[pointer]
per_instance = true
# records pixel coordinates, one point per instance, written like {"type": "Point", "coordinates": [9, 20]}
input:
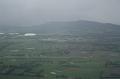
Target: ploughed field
{"type": "Point", "coordinates": [58, 56]}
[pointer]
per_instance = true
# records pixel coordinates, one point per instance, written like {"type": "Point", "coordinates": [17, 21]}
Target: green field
{"type": "Point", "coordinates": [56, 56]}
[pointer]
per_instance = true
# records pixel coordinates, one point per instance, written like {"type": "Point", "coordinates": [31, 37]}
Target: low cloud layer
{"type": "Point", "coordinates": [35, 12]}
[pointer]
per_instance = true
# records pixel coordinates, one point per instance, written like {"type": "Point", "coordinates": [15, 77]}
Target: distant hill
{"type": "Point", "coordinates": [73, 27]}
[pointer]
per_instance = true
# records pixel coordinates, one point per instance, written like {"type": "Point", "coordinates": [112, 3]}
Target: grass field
{"type": "Point", "coordinates": [55, 56]}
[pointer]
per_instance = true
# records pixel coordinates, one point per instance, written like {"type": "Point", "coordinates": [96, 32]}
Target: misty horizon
{"type": "Point", "coordinates": [36, 12]}
{"type": "Point", "coordinates": [59, 39]}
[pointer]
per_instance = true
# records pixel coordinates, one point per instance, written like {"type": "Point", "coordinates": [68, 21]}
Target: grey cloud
{"type": "Point", "coordinates": [35, 12]}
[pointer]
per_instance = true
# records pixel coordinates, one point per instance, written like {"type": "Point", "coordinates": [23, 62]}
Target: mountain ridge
{"type": "Point", "coordinates": [72, 27]}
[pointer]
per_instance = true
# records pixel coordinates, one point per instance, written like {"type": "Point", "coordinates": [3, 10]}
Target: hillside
{"type": "Point", "coordinates": [73, 27]}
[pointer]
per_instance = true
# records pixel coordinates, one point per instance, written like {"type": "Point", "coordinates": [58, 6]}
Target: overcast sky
{"type": "Point", "coordinates": [34, 12]}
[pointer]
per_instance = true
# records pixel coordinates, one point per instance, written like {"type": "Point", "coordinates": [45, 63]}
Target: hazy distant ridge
{"type": "Point", "coordinates": [73, 27]}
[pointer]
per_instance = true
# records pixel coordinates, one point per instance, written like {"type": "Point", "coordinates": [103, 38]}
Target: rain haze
{"type": "Point", "coordinates": [59, 39]}
{"type": "Point", "coordinates": [35, 12]}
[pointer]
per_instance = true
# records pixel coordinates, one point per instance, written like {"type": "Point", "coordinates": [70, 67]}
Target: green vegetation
{"type": "Point", "coordinates": [56, 56]}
